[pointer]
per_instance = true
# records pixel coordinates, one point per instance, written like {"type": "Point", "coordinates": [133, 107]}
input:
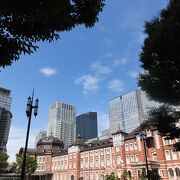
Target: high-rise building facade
{"type": "Point", "coordinates": [127, 112]}
{"type": "Point", "coordinates": [86, 125]}
{"type": "Point", "coordinates": [5, 117]}
{"type": "Point", "coordinates": [61, 122]}
{"type": "Point", "coordinates": [5, 98]}
{"type": "Point", "coordinates": [40, 135]}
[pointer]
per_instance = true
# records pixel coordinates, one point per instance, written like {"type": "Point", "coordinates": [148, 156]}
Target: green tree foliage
{"type": "Point", "coordinates": [111, 177]}
{"type": "Point", "coordinates": [126, 175]}
{"type": "Point", "coordinates": [160, 58]}
{"type": "Point", "coordinates": [3, 160]}
{"type": "Point", "coordinates": [24, 23]}
{"type": "Point", "coordinates": [31, 165]}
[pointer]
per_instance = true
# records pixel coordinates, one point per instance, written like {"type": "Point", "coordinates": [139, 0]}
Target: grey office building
{"type": "Point", "coordinates": [61, 122]}
{"type": "Point", "coordinates": [127, 112]}
{"type": "Point", "coordinates": [5, 117]}
{"type": "Point", "coordinates": [86, 125]}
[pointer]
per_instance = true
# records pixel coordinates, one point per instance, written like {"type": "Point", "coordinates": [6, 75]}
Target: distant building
{"type": "Point", "coordinates": [61, 122]}
{"type": "Point", "coordinates": [47, 147]}
{"type": "Point", "coordinates": [5, 117]}
{"type": "Point", "coordinates": [86, 125]}
{"type": "Point", "coordinates": [5, 98]}
{"type": "Point", "coordinates": [40, 135]}
{"type": "Point", "coordinates": [128, 111]}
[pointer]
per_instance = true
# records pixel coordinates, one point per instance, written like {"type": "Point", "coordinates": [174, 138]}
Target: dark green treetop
{"type": "Point", "coordinates": [31, 165]}
{"type": "Point", "coordinates": [160, 58]}
{"type": "Point", "coordinates": [23, 23]}
{"type": "Point", "coordinates": [3, 160]}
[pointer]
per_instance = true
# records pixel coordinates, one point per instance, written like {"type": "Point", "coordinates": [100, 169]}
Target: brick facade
{"type": "Point", "coordinates": [122, 152]}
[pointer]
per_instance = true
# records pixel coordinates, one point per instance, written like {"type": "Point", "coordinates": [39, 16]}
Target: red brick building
{"type": "Point", "coordinates": [123, 152]}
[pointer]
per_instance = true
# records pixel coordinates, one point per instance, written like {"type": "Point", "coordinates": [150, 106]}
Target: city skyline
{"type": "Point", "coordinates": [86, 68]}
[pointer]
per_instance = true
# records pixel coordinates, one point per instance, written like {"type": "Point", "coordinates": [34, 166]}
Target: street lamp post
{"type": "Point", "coordinates": [29, 108]}
{"type": "Point", "coordinates": [143, 137]}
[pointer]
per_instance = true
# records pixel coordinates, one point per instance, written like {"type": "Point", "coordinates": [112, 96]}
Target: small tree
{"type": "Point", "coordinates": [126, 175]}
{"type": "Point", "coordinates": [3, 160]}
{"type": "Point", "coordinates": [111, 177]}
{"type": "Point", "coordinates": [31, 165]}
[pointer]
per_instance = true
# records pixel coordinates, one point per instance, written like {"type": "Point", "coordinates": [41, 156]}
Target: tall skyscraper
{"type": "Point", "coordinates": [5, 98]}
{"type": "Point", "coordinates": [5, 117]}
{"type": "Point", "coordinates": [42, 134]}
{"type": "Point", "coordinates": [86, 125]}
{"type": "Point", "coordinates": [61, 123]}
{"type": "Point", "coordinates": [129, 110]}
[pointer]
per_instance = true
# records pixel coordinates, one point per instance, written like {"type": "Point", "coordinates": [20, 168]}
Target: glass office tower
{"type": "Point", "coordinates": [127, 112]}
{"type": "Point", "coordinates": [61, 122]}
{"type": "Point", "coordinates": [86, 125]}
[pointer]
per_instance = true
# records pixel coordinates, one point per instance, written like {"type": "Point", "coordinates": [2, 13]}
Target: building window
{"type": "Point", "coordinates": [126, 147]}
{"type": "Point", "coordinates": [137, 157]}
{"type": "Point", "coordinates": [174, 155]}
{"type": "Point", "coordinates": [81, 164]}
{"type": "Point", "coordinates": [154, 157]}
{"type": "Point", "coordinates": [74, 163]}
{"type": "Point", "coordinates": [131, 146]}
{"type": "Point", "coordinates": [132, 158]}
{"type": "Point", "coordinates": [102, 162]}
{"type": "Point", "coordinates": [165, 141]}
{"type": "Point", "coordinates": [177, 172]}
{"type": "Point", "coordinates": [127, 159]}
{"type": "Point", "coordinates": [118, 160]}
{"type": "Point", "coordinates": [171, 172]}
{"type": "Point", "coordinates": [171, 141]}
{"type": "Point", "coordinates": [167, 154]}
{"type": "Point", "coordinates": [108, 162]}
{"type": "Point", "coordinates": [135, 146]}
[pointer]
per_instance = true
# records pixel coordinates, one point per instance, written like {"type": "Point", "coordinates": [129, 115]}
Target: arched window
{"type": "Point", "coordinates": [177, 172]}
{"type": "Point", "coordinates": [171, 172]}
{"type": "Point", "coordinates": [72, 177]}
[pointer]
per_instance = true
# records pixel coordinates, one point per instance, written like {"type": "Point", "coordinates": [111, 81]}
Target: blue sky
{"type": "Point", "coordinates": [86, 68]}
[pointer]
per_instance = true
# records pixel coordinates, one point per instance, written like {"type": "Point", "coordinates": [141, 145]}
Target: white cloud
{"type": "Point", "coordinates": [100, 69]}
{"type": "Point", "coordinates": [47, 71]}
{"type": "Point", "coordinates": [119, 62]}
{"type": "Point", "coordinates": [115, 85]}
{"type": "Point", "coordinates": [133, 74]}
{"type": "Point", "coordinates": [103, 122]}
{"type": "Point", "coordinates": [90, 83]}
{"type": "Point", "coordinates": [107, 55]}
{"type": "Point", "coordinates": [17, 140]}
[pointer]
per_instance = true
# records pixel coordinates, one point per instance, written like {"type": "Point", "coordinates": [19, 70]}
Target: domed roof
{"type": "Point", "coordinates": [50, 140]}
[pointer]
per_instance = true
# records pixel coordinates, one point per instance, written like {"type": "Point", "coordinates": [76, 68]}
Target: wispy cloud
{"type": "Point", "coordinates": [47, 71]}
{"type": "Point", "coordinates": [115, 85]}
{"type": "Point", "coordinates": [120, 62]}
{"type": "Point", "coordinates": [108, 40]}
{"type": "Point", "coordinates": [107, 55]}
{"type": "Point", "coordinates": [17, 140]}
{"type": "Point", "coordinates": [99, 68]}
{"type": "Point", "coordinates": [133, 74]}
{"type": "Point", "coordinates": [90, 83]}
{"type": "Point", "coordinates": [103, 121]}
